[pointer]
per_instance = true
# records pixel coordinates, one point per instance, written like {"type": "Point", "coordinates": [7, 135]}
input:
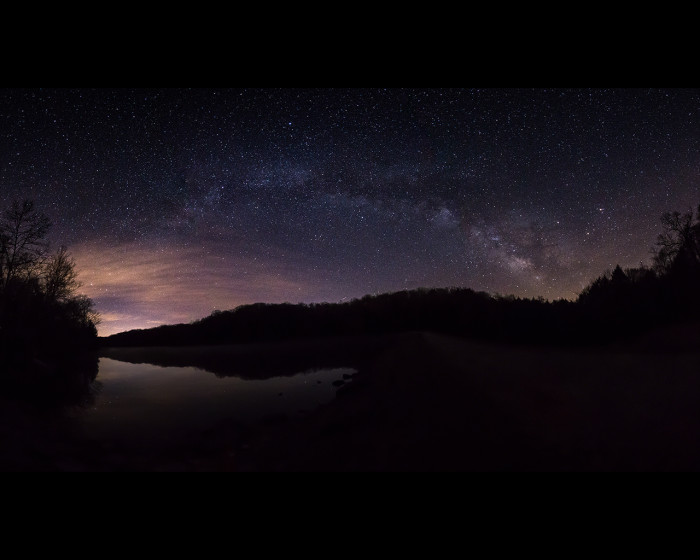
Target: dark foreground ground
{"type": "Point", "coordinates": [428, 402]}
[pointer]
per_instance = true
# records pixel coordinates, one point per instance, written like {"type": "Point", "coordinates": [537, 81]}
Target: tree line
{"type": "Point", "coordinates": [45, 323]}
{"type": "Point", "coordinates": [46, 326]}
{"type": "Point", "coordinates": [618, 304]}
{"type": "Point", "coordinates": [635, 299]}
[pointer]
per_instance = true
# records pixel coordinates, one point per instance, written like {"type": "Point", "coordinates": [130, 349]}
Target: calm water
{"type": "Point", "coordinates": [144, 403]}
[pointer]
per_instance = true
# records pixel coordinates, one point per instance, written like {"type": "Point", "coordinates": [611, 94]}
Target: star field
{"type": "Point", "coordinates": [176, 202]}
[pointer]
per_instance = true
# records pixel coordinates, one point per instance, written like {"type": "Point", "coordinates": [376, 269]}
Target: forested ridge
{"type": "Point", "coordinates": [618, 304]}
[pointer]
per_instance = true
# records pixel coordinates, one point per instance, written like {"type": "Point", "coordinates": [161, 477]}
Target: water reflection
{"type": "Point", "coordinates": [146, 403]}
{"type": "Point", "coordinates": [260, 361]}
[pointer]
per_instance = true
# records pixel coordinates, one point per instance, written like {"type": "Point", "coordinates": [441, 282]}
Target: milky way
{"type": "Point", "coordinates": [177, 202]}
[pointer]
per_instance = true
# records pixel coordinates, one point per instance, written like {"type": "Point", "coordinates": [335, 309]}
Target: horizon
{"type": "Point", "coordinates": [347, 300]}
{"type": "Point", "coordinates": [177, 202]}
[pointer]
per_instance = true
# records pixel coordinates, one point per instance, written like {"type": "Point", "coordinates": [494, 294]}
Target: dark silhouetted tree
{"type": "Point", "coordinates": [45, 325]}
{"type": "Point", "coordinates": [59, 277]}
{"type": "Point", "coordinates": [22, 241]}
{"type": "Point", "coordinates": [618, 277]}
{"type": "Point", "coordinates": [679, 242]}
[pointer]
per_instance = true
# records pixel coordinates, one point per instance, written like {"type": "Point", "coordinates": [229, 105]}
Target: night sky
{"type": "Point", "coordinates": [178, 202]}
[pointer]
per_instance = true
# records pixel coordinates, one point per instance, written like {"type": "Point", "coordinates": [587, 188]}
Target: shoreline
{"type": "Point", "coordinates": [430, 402]}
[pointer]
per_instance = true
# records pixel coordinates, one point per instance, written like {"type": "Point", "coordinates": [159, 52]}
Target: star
{"type": "Point", "coordinates": [178, 201]}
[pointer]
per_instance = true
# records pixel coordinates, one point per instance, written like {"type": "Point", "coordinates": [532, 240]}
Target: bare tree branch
{"type": "Point", "coordinates": [59, 278]}
{"type": "Point", "coordinates": [22, 240]}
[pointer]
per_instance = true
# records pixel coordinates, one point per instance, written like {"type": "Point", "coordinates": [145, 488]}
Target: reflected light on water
{"type": "Point", "coordinates": [145, 403]}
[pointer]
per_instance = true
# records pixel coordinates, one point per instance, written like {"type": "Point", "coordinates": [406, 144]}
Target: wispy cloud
{"type": "Point", "coordinates": [135, 286]}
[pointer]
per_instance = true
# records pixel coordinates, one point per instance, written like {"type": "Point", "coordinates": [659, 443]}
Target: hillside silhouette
{"type": "Point", "coordinates": [47, 328]}
{"type": "Point", "coordinates": [448, 379]}
{"type": "Point", "coordinates": [615, 306]}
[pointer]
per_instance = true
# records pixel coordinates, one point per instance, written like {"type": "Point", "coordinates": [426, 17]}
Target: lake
{"type": "Point", "coordinates": [146, 404]}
